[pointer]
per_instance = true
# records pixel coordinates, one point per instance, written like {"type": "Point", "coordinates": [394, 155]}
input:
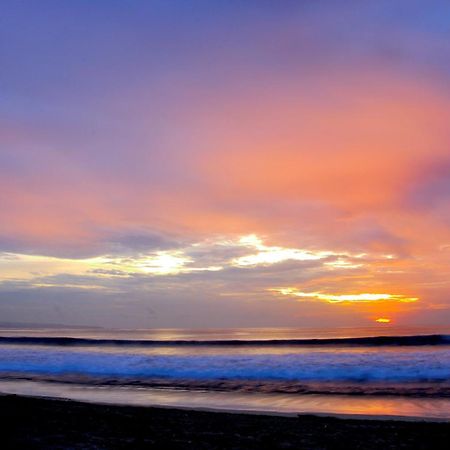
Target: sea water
{"type": "Point", "coordinates": [345, 371]}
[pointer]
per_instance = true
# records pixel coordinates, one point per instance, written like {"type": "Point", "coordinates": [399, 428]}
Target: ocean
{"type": "Point", "coordinates": [367, 371]}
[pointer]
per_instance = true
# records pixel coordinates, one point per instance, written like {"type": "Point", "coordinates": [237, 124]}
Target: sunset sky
{"type": "Point", "coordinates": [225, 163]}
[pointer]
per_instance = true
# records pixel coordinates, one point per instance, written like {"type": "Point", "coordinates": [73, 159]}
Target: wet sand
{"type": "Point", "coordinates": [35, 423]}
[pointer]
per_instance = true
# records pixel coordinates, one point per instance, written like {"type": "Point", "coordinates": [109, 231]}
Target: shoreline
{"type": "Point", "coordinates": [218, 410]}
{"type": "Point", "coordinates": [273, 404]}
{"type": "Point", "coordinates": [43, 423]}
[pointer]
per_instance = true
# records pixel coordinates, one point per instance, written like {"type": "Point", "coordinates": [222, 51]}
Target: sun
{"type": "Point", "coordinates": [383, 320]}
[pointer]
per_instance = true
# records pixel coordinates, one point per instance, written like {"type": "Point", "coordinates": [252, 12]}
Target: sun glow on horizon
{"type": "Point", "coordinates": [383, 320]}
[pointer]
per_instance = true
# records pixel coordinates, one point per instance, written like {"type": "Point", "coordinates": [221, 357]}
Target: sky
{"type": "Point", "coordinates": [225, 163]}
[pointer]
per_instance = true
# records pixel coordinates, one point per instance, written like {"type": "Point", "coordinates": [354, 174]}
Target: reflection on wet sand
{"type": "Point", "coordinates": [434, 409]}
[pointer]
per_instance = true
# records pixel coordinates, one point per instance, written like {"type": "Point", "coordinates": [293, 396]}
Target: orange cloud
{"type": "Point", "coordinates": [342, 298]}
{"type": "Point", "coordinates": [311, 166]}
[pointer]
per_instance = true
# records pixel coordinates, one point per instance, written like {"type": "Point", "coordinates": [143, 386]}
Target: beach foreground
{"type": "Point", "coordinates": [46, 423]}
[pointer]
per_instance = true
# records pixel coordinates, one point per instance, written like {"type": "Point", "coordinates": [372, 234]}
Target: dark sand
{"type": "Point", "coordinates": [31, 423]}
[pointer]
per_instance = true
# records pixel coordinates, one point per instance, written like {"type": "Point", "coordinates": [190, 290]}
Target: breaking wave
{"type": "Point", "coordinates": [325, 366]}
{"type": "Point", "coordinates": [433, 339]}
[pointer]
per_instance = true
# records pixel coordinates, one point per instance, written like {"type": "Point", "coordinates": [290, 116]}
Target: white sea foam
{"type": "Point", "coordinates": [418, 365]}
